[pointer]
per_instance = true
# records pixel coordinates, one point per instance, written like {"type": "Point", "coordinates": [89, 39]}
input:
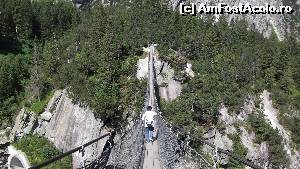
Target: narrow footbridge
{"type": "Point", "coordinates": [167, 152]}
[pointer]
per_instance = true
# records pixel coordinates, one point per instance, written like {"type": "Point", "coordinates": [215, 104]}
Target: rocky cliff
{"type": "Point", "coordinates": [67, 125]}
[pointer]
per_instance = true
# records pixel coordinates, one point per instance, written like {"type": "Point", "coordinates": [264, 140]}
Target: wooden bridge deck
{"type": "Point", "coordinates": [152, 159]}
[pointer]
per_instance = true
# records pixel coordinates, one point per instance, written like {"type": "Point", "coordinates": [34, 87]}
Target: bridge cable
{"type": "Point", "coordinates": [79, 148]}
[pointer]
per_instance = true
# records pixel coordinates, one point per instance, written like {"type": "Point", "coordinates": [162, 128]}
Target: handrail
{"type": "Point", "coordinates": [229, 153]}
{"type": "Point", "coordinates": [197, 154]}
{"type": "Point", "coordinates": [45, 163]}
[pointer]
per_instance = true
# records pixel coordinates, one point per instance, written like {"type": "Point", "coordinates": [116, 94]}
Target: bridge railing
{"type": "Point", "coordinates": [54, 159]}
{"type": "Point", "coordinates": [189, 152]}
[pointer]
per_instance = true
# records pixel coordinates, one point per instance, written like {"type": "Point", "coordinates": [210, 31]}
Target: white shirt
{"type": "Point", "coordinates": [148, 116]}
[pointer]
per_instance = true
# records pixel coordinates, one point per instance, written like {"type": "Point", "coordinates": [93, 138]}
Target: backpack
{"type": "Point", "coordinates": [149, 123]}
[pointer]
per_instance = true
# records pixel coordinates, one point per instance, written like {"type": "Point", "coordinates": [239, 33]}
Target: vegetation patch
{"type": "Point", "coordinates": [38, 106]}
{"type": "Point", "coordinates": [293, 124]}
{"type": "Point", "coordinates": [39, 149]}
{"type": "Point", "coordinates": [13, 72]}
{"type": "Point", "coordinates": [264, 132]}
{"type": "Point", "coordinates": [238, 149]}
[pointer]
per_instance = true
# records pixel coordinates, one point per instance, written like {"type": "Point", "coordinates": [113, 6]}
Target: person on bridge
{"type": "Point", "coordinates": [148, 118]}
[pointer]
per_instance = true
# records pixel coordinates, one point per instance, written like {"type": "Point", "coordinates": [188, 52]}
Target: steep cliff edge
{"type": "Point", "coordinates": [67, 125]}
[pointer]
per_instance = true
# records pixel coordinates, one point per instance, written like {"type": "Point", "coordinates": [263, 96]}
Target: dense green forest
{"type": "Point", "coordinates": [47, 45]}
{"type": "Point", "coordinates": [25, 27]}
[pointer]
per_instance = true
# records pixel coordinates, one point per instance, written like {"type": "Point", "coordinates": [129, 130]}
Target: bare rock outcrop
{"type": "Point", "coordinates": [237, 124]}
{"type": "Point", "coordinates": [68, 125]}
{"type": "Point", "coordinates": [256, 153]}
{"type": "Point", "coordinates": [24, 124]}
{"type": "Point", "coordinates": [271, 116]}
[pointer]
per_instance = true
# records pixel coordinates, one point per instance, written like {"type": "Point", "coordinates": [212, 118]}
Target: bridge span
{"type": "Point", "coordinates": [131, 151]}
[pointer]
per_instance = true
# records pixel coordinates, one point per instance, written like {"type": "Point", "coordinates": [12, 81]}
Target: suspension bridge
{"type": "Point", "coordinates": [167, 152]}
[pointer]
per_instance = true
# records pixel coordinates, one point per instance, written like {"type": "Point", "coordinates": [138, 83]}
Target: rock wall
{"type": "Point", "coordinates": [24, 124]}
{"type": "Point", "coordinates": [68, 125]}
{"type": "Point", "coordinates": [169, 88]}
{"type": "Point", "coordinates": [271, 114]}
{"type": "Point", "coordinates": [257, 153]}
{"type": "Point", "coordinates": [237, 124]}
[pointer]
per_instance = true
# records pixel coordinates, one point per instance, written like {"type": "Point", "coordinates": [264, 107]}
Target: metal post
{"type": "Point", "coordinates": [216, 156]}
{"type": "Point", "coordinates": [82, 157]}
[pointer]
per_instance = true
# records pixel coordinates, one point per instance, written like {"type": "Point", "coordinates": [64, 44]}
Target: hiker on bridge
{"type": "Point", "coordinates": [148, 118]}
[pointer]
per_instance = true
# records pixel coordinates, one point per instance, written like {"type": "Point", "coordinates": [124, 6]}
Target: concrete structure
{"type": "Point", "coordinates": [17, 159]}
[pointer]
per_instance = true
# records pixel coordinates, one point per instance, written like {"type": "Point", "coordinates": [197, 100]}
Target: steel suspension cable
{"type": "Point", "coordinates": [45, 163]}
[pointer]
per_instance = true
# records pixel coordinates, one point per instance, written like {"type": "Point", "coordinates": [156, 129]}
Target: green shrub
{"type": "Point", "coordinates": [264, 132]}
{"type": "Point", "coordinates": [293, 125]}
{"type": "Point", "coordinates": [39, 106]}
{"type": "Point", "coordinates": [39, 149]}
{"type": "Point", "coordinates": [239, 150]}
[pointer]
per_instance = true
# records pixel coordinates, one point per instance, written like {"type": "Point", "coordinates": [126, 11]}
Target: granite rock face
{"type": "Point", "coordinates": [4, 136]}
{"type": "Point", "coordinates": [271, 116]}
{"type": "Point", "coordinates": [233, 124]}
{"type": "Point", "coordinates": [257, 153]}
{"type": "Point", "coordinates": [24, 124]}
{"type": "Point", "coordinates": [169, 88]}
{"type": "Point", "coordinates": [68, 125]}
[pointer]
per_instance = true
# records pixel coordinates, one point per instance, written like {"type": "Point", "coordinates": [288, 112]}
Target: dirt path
{"type": "Point", "coordinates": [151, 160]}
